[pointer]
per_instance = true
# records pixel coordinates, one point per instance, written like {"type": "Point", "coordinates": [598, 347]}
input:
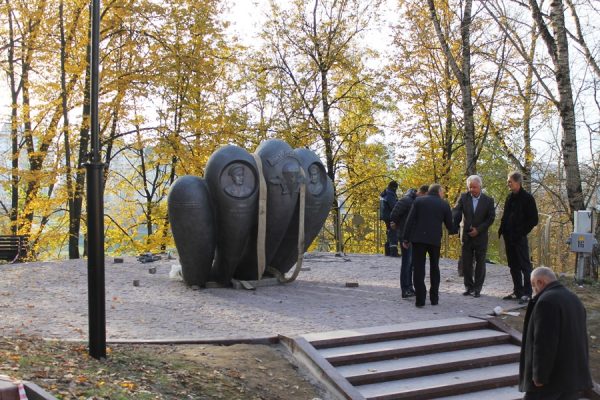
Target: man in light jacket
{"type": "Point", "coordinates": [476, 209]}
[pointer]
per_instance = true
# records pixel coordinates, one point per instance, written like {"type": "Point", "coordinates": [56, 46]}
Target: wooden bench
{"type": "Point", "coordinates": [13, 247]}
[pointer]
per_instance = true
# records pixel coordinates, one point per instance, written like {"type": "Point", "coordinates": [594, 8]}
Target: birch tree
{"type": "Point", "coordinates": [461, 68]}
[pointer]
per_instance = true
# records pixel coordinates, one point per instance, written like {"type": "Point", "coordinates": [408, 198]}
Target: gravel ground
{"type": "Point", "coordinates": [50, 299]}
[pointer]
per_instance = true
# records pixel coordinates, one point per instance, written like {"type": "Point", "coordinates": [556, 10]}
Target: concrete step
{"type": "Point", "coordinates": [376, 351]}
{"type": "Point", "coordinates": [501, 393]}
{"type": "Point", "coordinates": [407, 367]}
{"type": "Point", "coordinates": [460, 358]}
{"type": "Point", "coordinates": [446, 384]}
{"type": "Point", "coordinates": [390, 332]}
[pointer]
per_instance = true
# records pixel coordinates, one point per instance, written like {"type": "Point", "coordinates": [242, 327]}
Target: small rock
{"type": "Point", "coordinates": [118, 260]}
{"type": "Point", "coordinates": [351, 284]}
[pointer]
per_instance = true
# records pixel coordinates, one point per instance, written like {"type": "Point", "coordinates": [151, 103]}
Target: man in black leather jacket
{"type": "Point", "coordinates": [519, 218]}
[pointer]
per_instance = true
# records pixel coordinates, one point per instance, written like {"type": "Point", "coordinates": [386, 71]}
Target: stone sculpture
{"type": "Point", "coordinates": [226, 227]}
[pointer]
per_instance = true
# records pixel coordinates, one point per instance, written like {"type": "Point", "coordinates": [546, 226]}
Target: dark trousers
{"type": "Point", "coordinates": [517, 254]}
{"type": "Point", "coordinates": [406, 270]}
{"type": "Point", "coordinates": [391, 240]}
{"type": "Point", "coordinates": [419, 253]}
{"type": "Point", "coordinates": [473, 251]}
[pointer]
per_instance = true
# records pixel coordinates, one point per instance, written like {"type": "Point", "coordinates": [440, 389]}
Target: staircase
{"type": "Point", "coordinates": [458, 358]}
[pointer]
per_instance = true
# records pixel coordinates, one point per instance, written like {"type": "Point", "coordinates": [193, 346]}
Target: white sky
{"type": "Point", "coordinates": [246, 17]}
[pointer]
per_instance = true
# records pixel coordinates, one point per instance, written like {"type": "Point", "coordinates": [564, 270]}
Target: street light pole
{"type": "Point", "coordinates": [95, 206]}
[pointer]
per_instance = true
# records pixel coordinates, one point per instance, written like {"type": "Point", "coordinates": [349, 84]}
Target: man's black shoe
{"type": "Point", "coordinates": [476, 294]}
{"type": "Point", "coordinates": [467, 292]}
{"type": "Point", "coordinates": [524, 299]}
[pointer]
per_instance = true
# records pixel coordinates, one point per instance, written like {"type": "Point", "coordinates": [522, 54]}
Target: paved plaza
{"type": "Point", "coordinates": [50, 299]}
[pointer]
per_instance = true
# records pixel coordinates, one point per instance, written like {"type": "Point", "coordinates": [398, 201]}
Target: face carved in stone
{"type": "Point", "coordinates": [315, 186]}
{"type": "Point", "coordinates": [237, 188]}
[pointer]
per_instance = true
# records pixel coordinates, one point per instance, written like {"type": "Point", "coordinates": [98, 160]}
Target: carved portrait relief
{"type": "Point", "coordinates": [237, 182]}
{"type": "Point", "coordinates": [315, 181]}
{"type": "Point", "coordinates": [290, 179]}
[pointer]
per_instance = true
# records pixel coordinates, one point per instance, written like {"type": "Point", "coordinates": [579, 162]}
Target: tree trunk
{"type": "Point", "coordinates": [448, 128]}
{"type": "Point", "coordinates": [463, 76]}
{"type": "Point", "coordinates": [329, 159]}
{"type": "Point", "coordinates": [527, 110]}
{"type": "Point", "coordinates": [465, 90]}
{"type": "Point", "coordinates": [327, 137]}
{"type": "Point", "coordinates": [559, 52]}
{"type": "Point", "coordinates": [566, 108]}
{"type": "Point", "coordinates": [84, 140]}
{"type": "Point", "coordinates": [65, 116]}
{"type": "Point", "coordinates": [34, 159]}
{"type": "Point", "coordinates": [14, 204]}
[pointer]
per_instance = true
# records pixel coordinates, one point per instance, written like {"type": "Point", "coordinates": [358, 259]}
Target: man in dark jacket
{"type": "Point", "coordinates": [519, 218]}
{"type": "Point", "coordinates": [398, 220]}
{"type": "Point", "coordinates": [387, 201]}
{"type": "Point", "coordinates": [423, 229]}
{"type": "Point", "coordinates": [554, 353]}
{"type": "Point", "coordinates": [477, 212]}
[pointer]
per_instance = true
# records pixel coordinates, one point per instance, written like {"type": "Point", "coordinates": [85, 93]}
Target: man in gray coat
{"type": "Point", "coordinates": [554, 360]}
{"type": "Point", "coordinates": [476, 209]}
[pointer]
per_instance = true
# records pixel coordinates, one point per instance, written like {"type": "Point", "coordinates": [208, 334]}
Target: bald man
{"type": "Point", "coordinates": [554, 353]}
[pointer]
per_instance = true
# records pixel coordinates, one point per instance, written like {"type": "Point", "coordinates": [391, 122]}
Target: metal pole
{"type": "Point", "coordinates": [580, 265]}
{"type": "Point", "coordinates": [95, 205]}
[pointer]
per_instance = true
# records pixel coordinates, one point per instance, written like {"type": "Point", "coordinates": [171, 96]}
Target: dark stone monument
{"type": "Point", "coordinates": [233, 182]}
{"type": "Point", "coordinates": [216, 221]}
{"type": "Point", "coordinates": [319, 198]}
{"type": "Point", "coordinates": [192, 223]}
{"type": "Point", "coordinates": [282, 174]}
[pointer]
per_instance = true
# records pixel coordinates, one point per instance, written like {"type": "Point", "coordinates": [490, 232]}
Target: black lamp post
{"type": "Point", "coordinates": [95, 207]}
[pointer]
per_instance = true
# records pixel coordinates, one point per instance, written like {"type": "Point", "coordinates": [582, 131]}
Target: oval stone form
{"type": "Point", "coordinates": [318, 202]}
{"type": "Point", "coordinates": [232, 179]}
{"type": "Point", "coordinates": [193, 227]}
{"type": "Point", "coordinates": [281, 170]}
